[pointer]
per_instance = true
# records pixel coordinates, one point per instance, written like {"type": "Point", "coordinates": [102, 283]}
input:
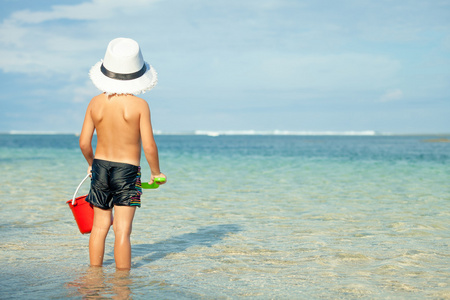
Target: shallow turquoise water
{"type": "Point", "coordinates": [261, 217]}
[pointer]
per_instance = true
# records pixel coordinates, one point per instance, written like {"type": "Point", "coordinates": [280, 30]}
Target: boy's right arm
{"type": "Point", "coordinates": [149, 144]}
{"type": "Point", "coordinates": [85, 140]}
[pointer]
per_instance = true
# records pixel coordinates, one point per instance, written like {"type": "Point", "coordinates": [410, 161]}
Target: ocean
{"type": "Point", "coordinates": [241, 216]}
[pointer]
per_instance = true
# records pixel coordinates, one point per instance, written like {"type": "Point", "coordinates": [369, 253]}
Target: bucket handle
{"type": "Point", "coordinates": [74, 195]}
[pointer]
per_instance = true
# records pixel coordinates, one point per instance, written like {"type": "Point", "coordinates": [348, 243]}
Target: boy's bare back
{"type": "Point", "coordinates": [117, 121]}
{"type": "Point", "coordinates": [121, 121]}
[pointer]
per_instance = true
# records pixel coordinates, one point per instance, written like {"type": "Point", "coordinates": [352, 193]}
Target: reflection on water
{"type": "Point", "coordinates": [96, 283]}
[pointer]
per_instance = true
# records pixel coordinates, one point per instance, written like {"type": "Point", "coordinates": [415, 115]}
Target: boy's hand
{"type": "Point", "coordinates": [152, 179]}
{"type": "Point", "coordinates": [89, 171]}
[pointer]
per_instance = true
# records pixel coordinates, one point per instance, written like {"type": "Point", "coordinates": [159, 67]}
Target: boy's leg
{"type": "Point", "coordinates": [123, 220]}
{"type": "Point", "coordinates": [100, 228]}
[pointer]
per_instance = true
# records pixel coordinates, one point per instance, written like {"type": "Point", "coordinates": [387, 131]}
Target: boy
{"type": "Point", "coordinates": [123, 125]}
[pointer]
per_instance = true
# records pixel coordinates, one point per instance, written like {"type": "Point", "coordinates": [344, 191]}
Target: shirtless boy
{"type": "Point", "coordinates": [123, 126]}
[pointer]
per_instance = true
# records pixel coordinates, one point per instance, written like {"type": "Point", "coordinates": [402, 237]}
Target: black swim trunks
{"type": "Point", "coordinates": [115, 183]}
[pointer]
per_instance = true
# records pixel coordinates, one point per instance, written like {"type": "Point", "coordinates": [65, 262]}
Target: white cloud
{"type": "Point", "coordinates": [392, 95]}
{"type": "Point", "coordinates": [95, 10]}
{"type": "Point", "coordinates": [43, 42]}
{"type": "Point", "coordinates": [330, 71]}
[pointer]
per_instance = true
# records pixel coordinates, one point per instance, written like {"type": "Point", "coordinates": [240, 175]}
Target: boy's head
{"type": "Point", "coordinates": [123, 70]}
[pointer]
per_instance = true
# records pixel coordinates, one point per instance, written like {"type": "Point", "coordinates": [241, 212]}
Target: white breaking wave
{"type": "Point", "coordinates": [285, 132]}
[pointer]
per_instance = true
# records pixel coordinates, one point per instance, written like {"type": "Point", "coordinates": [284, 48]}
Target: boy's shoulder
{"type": "Point", "coordinates": [135, 98]}
{"type": "Point", "coordinates": [135, 101]}
{"type": "Point", "coordinates": [97, 98]}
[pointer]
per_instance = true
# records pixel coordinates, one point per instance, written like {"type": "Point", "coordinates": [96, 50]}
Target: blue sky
{"type": "Point", "coordinates": [347, 65]}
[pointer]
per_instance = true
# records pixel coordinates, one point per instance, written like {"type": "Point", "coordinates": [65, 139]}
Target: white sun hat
{"type": "Point", "coordinates": [123, 70]}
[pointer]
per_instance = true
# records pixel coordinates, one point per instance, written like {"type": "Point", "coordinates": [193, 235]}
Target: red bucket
{"type": "Point", "coordinates": [83, 211]}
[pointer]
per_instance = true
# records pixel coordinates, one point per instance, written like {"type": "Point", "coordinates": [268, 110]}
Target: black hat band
{"type": "Point", "coordinates": [121, 76]}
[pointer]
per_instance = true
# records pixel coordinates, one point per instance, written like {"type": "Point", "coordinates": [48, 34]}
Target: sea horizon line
{"type": "Point", "coordinates": [215, 133]}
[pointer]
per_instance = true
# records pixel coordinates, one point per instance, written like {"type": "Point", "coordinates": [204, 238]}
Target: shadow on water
{"type": "Point", "coordinates": [204, 236]}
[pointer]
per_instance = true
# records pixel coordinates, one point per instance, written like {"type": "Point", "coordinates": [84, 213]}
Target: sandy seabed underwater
{"type": "Point", "coordinates": [257, 217]}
